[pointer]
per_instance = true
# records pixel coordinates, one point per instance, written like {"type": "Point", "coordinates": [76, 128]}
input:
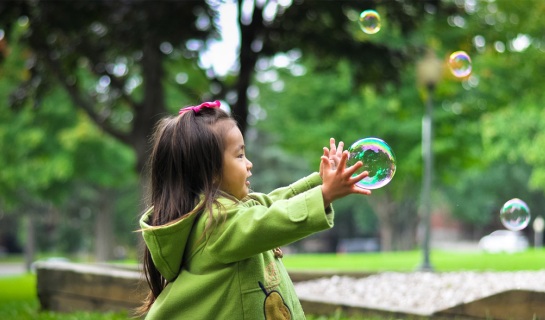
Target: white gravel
{"type": "Point", "coordinates": [419, 293]}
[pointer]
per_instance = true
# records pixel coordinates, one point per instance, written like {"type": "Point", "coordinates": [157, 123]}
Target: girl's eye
{"type": "Point", "coordinates": [241, 155]}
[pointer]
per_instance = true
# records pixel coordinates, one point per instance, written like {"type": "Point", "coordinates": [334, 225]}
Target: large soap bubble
{"type": "Point", "coordinates": [378, 159]}
{"type": "Point", "coordinates": [369, 21]}
{"type": "Point", "coordinates": [515, 214]}
{"type": "Point", "coordinates": [459, 63]}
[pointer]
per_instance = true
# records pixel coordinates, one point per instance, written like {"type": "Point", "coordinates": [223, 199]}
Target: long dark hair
{"type": "Point", "coordinates": [186, 162]}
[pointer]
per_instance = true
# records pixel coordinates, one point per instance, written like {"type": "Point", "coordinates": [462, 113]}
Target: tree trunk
{"type": "Point", "coordinates": [30, 243]}
{"type": "Point", "coordinates": [397, 223]}
{"type": "Point", "coordinates": [153, 103]}
{"type": "Point", "coordinates": [104, 237]}
{"type": "Point", "coordinates": [406, 224]}
{"type": "Point", "coordinates": [247, 59]}
{"type": "Point", "coordinates": [386, 235]}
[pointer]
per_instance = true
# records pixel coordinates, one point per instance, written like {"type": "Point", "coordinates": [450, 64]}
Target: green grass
{"type": "Point", "coordinates": [17, 288]}
{"type": "Point", "coordinates": [406, 261]}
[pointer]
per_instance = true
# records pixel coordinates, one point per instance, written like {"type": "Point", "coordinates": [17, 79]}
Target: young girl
{"type": "Point", "coordinates": [211, 245]}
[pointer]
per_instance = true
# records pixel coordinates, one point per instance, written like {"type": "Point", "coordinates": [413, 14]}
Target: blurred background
{"type": "Point", "coordinates": [82, 84]}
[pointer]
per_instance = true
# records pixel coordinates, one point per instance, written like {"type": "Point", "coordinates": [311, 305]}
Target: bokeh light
{"type": "Point", "coordinates": [378, 159]}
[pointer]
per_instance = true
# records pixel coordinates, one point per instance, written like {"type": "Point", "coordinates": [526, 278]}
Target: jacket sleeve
{"type": "Point", "coordinates": [302, 185]}
{"type": "Point", "coordinates": [251, 228]}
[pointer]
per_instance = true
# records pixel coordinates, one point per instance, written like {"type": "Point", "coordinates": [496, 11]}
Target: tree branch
{"type": "Point", "coordinates": [114, 81]}
{"type": "Point", "coordinates": [78, 99]}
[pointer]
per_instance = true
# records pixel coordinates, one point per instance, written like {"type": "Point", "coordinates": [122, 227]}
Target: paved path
{"type": "Point", "coordinates": [11, 268]}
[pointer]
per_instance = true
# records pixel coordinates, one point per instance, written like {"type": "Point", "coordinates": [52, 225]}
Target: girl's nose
{"type": "Point", "coordinates": [249, 164]}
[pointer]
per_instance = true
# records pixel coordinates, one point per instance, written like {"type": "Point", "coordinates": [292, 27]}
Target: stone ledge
{"type": "Point", "coordinates": [67, 287]}
{"type": "Point", "coordinates": [508, 305]}
{"type": "Point", "coordinates": [305, 275]}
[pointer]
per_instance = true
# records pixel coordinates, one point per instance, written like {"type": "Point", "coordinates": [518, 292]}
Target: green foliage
{"type": "Point", "coordinates": [52, 144]}
{"type": "Point", "coordinates": [310, 115]}
{"type": "Point", "coordinates": [53, 163]}
{"type": "Point", "coordinates": [516, 134]}
{"type": "Point", "coordinates": [267, 158]}
{"type": "Point", "coordinates": [483, 125]}
{"type": "Point", "coordinates": [495, 127]}
{"type": "Point", "coordinates": [488, 128]}
{"type": "Point", "coordinates": [96, 157]}
{"type": "Point", "coordinates": [32, 154]}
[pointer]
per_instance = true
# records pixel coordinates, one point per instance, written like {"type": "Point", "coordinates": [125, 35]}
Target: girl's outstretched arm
{"type": "Point", "coordinates": [337, 178]}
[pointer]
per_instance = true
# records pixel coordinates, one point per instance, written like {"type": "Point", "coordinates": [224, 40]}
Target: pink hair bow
{"type": "Point", "coordinates": [215, 104]}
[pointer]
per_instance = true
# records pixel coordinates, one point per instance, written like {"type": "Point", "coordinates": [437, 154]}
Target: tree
{"type": "Point", "coordinates": [117, 59]}
{"type": "Point", "coordinates": [121, 44]}
{"type": "Point", "coordinates": [111, 58]}
{"type": "Point", "coordinates": [467, 112]}
{"type": "Point", "coordinates": [51, 154]}
{"type": "Point", "coordinates": [339, 112]}
{"type": "Point", "coordinates": [125, 65]}
{"type": "Point", "coordinates": [353, 83]}
{"type": "Point", "coordinates": [494, 116]}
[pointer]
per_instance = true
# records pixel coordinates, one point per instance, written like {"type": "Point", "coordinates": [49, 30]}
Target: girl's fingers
{"type": "Point", "coordinates": [332, 146]}
{"type": "Point", "coordinates": [355, 167]}
{"type": "Point", "coordinates": [340, 148]}
{"type": "Point", "coordinates": [361, 190]}
{"type": "Point", "coordinates": [344, 159]}
{"type": "Point", "coordinates": [326, 152]}
{"type": "Point", "coordinates": [325, 162]}
{"type": "Point", "coordinates": [322, 167]}
{"type": "Point", "coordinates": [359, 177]}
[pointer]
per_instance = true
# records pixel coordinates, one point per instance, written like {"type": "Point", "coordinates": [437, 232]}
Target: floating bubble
{"type": "Point", "coordinates": [459, 63]}
{"type": "Point", "coordinates": [515, 214]}
{"type": "Point", "coordinates": [378, 159]}
{"type": "Point", "coordinates": [370, 21]}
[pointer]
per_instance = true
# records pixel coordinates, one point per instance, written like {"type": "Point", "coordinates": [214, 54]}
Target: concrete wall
{"type": "Point", "coordinates": [68, 287]}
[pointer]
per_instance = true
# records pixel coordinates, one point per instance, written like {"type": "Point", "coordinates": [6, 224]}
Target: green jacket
{"type": "Point", "coordinates": [233, 274]}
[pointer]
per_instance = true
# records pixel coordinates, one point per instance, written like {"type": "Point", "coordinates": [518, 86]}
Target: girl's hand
{"type": "Point", "coordinates": [338, 181]}
{"type": "Point", "coordinates": [333, 154]}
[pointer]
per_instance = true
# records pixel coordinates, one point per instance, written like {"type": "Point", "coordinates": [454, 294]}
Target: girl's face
{"type": "Point", "coordinates": [236, 168]}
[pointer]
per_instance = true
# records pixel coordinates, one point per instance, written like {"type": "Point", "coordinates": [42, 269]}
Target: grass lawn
{"type": "Point", "coordinates": [18, 299]}
{"type": "Point", "coordinates": [406, 261]}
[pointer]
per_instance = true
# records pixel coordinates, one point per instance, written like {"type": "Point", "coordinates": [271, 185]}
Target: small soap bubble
{"type": "Point", "coordinates": [459, 63]}
{"type": "Point", "coordinates": [369, 21]}
{"type": "Point", "coordinates": [515, 214]}
{"type": "Point", "coordinates": [378, 159]}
